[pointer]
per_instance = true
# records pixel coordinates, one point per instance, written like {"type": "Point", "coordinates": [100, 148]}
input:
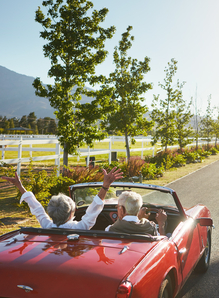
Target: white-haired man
{"type": "Point", "coordinates": [61, 208]}
{"type": "Point", "coordinates": [132, 218]}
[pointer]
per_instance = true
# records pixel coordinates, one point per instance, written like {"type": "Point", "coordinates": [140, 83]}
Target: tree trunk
{"type": "Point", "coordinates": [65, 159]}
{"type": "Point", "coordinates": [127, 146]}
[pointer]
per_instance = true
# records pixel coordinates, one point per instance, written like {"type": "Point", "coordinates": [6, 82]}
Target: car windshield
{"type": "Point", "coordinates": [84, 196]}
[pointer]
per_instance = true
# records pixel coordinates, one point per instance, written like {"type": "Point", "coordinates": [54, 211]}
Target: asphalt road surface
{"type": "Point", "coordinates": [202, 187]}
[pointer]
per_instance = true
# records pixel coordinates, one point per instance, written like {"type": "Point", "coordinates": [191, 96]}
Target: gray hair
{"type": "Point", "coordinates": [132, 202]}
{"type": "Point", "coordinates": [60, 208]}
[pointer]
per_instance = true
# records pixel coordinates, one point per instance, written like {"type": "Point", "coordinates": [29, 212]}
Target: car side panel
{"type": "Point", "coordinates": [149, 274]}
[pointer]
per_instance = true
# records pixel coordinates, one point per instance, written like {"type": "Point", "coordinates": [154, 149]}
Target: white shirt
{"type": "Point", "coordinates": [87, 221]}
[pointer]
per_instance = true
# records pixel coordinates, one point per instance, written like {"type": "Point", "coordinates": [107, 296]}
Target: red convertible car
{"type": "Point", "coordinates": [36, 262]}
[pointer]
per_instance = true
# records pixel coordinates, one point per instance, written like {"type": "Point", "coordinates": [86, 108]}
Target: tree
{"type": "Point", "coordinates": [163, 113]}
{"type": "Point", "coordinates": [216, 128]}
{"type": "Point", "coordinates": [23, 121]}
{"type": "Point", "coordinates": [41, 125]}
{"type": "Point", "coordinates": [6, 126]}
{"type": "Point", "coordinates": [11, 121]}
{"type": "Point", "coordinates": [182, 118]}
{"type": "Point", "coordinates": [52, 128]}
{"type": "Point", "coordinates": [123, 93]}
{"type": "Point", "coordinates": [207, 123]}
{"type": "Point", "coordinates": [75, 46]}
{"type": "Point", "coordinates": [31, 120]}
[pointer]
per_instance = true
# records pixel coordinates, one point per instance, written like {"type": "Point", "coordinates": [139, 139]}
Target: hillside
{"type": "Point", "coordinates": [17, 96]}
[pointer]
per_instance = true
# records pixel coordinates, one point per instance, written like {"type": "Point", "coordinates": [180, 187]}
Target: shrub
{"type": "Point", "coordinates": [150, 171]}
{"type": "Point", "coordinates": [192, 157]}
{"type": "Point", "coordinates": [39, 182]}
{"type": "Point", "coordinates": [84, 174]}
{"type": "Point", "coordinates": [213, 150]}
{"type": "Point", "coordinates": [133, 167]}
{"type": "Point", "coordinates": [62, 185]}
{"type": "Point", "coordinates": [179, 160]}
{"type": "Point", "coordinates": [203, 153]}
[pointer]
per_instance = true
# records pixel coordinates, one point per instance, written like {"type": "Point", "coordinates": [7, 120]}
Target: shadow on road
{"type": "Point", "coordinates": [202, 285]}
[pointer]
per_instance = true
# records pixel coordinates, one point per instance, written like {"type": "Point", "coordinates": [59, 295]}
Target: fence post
{"type": "Point", "coordinates": [142, 149]}
{"type": "Point", "coordinates": [110, 148]}
{"type": "Point", "coordinates": [57, 160]}
{"type": "Point", "coordinates": [3, 149]}
{"type": "Point", "coordinates": [19, 157]}
{"type": "Point", "coordinates": [88, 156]}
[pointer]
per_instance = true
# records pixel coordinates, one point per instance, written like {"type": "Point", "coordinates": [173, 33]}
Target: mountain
{"type": "Point", "coordinates": [17, 96]}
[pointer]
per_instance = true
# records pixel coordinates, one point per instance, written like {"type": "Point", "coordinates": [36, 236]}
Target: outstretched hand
{"type": "Point", "coordinates": [111, 176]}
{"type": "Point", "coordinates": [16, 181]}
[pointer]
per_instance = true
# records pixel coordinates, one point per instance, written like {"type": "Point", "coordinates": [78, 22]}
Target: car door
{"type": "Point", "coordinates": [187, 240]}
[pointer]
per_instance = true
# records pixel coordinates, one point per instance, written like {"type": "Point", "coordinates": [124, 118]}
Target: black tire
{"type": "Point", "coordinates": [203, 263]}
{"type": "Point", "coordinates": [166, 290]}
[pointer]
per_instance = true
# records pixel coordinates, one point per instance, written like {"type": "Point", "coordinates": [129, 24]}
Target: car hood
{"type": "Point", "coordinates": [53, 266]}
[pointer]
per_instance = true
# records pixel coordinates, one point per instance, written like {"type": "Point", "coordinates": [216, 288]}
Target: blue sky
{"type": "Point", "coordinates": [187, 30]}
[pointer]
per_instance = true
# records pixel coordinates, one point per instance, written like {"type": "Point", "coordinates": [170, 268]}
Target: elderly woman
{"type": "Point", "coordinates": [61, 208]}
{"type": "Point", "coordinates": [132, 218]}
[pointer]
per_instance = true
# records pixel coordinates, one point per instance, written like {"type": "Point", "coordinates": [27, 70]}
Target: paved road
{"type": "Point", "coordinates": [202, 186]}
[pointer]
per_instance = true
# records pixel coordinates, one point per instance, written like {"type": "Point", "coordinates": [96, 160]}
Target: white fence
{"type": "Point", "coordinates": [19, 141]}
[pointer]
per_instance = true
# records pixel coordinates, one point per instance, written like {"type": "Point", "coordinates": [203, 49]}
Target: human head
{"type": "Point", "coordinates": [132, 202]}
{"type": "Point", "coordinates": [60, 208]}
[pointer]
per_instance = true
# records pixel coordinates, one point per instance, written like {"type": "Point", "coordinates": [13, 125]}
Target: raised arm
{"type": "Point", "coordinates": [108, 179]}
{"type": "Point", "coordinates": [16, 181]}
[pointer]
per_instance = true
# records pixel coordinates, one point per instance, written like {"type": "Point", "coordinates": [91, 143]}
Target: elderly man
{"type": "Point", "coordinates": [61, 208]}
{"type": "Point", "coordinates": [132, 218]}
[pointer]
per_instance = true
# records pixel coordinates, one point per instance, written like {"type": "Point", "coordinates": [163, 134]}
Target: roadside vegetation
{"type": "Point", "coordinates": [163, 168]}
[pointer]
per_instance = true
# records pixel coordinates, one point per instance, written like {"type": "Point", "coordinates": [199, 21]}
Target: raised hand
{"type": "Point", "coordinates": [113, 175]}
{"type": "Point", "coordinates": [16, 181]}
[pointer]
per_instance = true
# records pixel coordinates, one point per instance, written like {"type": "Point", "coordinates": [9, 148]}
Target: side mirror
{"type": "Point", "coordinates": [205, 221]}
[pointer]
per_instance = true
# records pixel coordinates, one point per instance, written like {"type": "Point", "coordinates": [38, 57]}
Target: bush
{"type": "Point", "coordinates": [213, 150]}
{"type": "Point", "coordinates": [84, 174]}
{"type": "Point", "coordinates": [192, 156]}
{"type": "Point", "coordinates": [40, 183]}
{"type": "Point", "coordinates": [179, 160]}
{"type": "Point", "coordinates": [150, 171]}
{"type": "Point", "coordinates": [133, 167]}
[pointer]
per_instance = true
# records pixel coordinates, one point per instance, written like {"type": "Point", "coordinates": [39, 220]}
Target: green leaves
{"type": "Point", "coordinates": [75, 46]}
{"type": "Point", "coordinates": [171, 115]}
{"type": "Point", "coordinates": [123, 93]}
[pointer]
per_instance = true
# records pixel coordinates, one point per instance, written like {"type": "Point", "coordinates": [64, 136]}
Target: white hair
{"type": "Point", "coordinates": [132, 202]}
{"type": "Point", "coordinates": [60, 208]}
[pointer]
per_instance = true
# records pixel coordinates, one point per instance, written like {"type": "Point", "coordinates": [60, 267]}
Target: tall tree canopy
{"type": "Point", "coordinates": [207, 123]}
{"type": "Point", "coordinates": [163, 112]}
{"type": "Point", "coordinates": [124, 89]}
{"type": "Point", "coordinates": [184, 131]}
{"type": "Point", "coordinates": [75, 47]}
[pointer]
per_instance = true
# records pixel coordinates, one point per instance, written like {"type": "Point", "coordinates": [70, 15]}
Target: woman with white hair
{"type": "Point", "coordinates": [132, 219]}
{"type": "Point", "coordinates": [61, 208]}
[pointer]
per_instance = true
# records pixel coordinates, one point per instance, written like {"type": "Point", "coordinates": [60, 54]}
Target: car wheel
{"type": "Point", "coordinates": [166, 289]}
{"type": "Point", "coordinates": [203, 263]}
